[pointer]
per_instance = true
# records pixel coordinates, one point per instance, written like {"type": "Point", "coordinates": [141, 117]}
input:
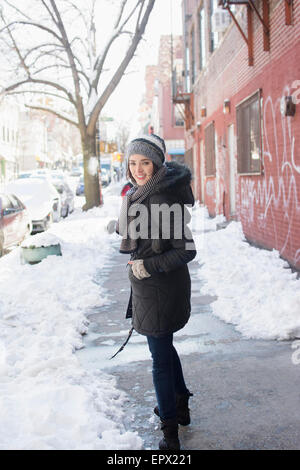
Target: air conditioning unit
{"type": "Point", "coordinates": [220, 20]}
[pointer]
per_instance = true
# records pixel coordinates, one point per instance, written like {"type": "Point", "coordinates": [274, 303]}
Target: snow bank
{"type": "Point", "coordinates": [47, 401]}
{"type": "Point", "coordinates": [255, 291]}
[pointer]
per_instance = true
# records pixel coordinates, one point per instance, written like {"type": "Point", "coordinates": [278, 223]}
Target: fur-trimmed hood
{"type": "Point", "coordinates": [177, 181]}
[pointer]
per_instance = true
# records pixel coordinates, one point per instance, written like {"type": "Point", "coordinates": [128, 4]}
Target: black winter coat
{"type": "Point", "coordinates": [161, 304]}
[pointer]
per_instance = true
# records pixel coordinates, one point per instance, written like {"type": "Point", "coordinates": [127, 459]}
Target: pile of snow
{"type": "Point", "coordinates": [47, 400]}
{"type": "Point", "coordinates": [41, 239]}
{"type": "Point", "coordinates": [256, 290]}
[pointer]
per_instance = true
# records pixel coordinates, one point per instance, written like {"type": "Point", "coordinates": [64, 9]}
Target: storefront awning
{"type": "Point", "coordinates": [174, 151]}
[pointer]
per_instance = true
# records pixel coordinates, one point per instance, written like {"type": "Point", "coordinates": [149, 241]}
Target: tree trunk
{"type": "Point", "coordinates": [92, 180]}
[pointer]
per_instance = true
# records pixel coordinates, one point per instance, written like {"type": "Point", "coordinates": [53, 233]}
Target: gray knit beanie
{"type": "Point", "coordinates": [152, 146]}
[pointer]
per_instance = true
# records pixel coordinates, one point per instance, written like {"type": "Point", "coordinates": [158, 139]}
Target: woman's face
{"type": "Point", "coordinates": [141, 168]}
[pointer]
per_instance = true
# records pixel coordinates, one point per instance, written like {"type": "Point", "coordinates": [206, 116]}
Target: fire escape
{"type": "Point", "coordinates": [264, 19]}
{"type": "Point", "coordinates": [183, 99]}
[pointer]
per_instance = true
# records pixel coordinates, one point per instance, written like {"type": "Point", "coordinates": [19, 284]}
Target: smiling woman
{"type": "Point", "coordinates": [159, 304]}
{"type": "Point", "coordinates": [141, 169]}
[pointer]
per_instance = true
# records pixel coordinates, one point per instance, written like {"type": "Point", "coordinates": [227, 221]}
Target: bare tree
{"type": "Point", "coordinates": [62, 61]}
{"type": "Point", "coordinates": [123, 133]}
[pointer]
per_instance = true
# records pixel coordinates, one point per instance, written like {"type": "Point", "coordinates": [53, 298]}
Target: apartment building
{"type": "Point", "coordinates": [241, 98]}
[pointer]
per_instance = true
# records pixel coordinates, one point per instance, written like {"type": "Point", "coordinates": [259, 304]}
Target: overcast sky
{"type": "Point", "coordinates": [123, 104]}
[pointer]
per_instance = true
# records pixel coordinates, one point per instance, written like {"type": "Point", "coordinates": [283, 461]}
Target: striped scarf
{"type": "Point", "coordinates": [135, 196]}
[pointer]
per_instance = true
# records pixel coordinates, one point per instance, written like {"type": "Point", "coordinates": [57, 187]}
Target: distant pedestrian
{"type": "Point", "coordinates": [160, 282]}
{"type": "Point", "coordinates": [127, 186]}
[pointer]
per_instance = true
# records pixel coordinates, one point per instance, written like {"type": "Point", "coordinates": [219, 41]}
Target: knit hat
{"type": "Point", "coordinates": [152, 146]}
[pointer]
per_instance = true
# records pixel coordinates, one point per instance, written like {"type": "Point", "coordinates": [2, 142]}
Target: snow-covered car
{"type": "Point", "coordinates": [31, 173]}
{"type": "Point", "coordinates": [41, 199]}
{"type": "Point", "coordinates": [15, 222]}
{"type": "Point", "coordinates": [66, 196]}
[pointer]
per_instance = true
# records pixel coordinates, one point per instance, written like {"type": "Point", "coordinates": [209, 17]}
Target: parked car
{"type": "Point", "coordinates": [80, 186]}
{"type": "Point", "coordinates": [105, 177]}
{"type": "Point", "coordinates": [24, 174]}
{"type": "Point", "coordinates": [41, 199]}
{"type": "Point", "coordinates": [15, 222]}
{"type": "Point", "coordinates": [30, 173]}
{"type": "Point", "coordinates": [107, 167]}
{"type": "Point", "coordinates": [66, 196]}
{"type": "Point", "coordinates": [76, 171]}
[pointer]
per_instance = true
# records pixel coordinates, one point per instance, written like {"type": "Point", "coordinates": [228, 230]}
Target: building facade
{"type": "Point", "coordinates": [9, 139]}
{"type": "Point", "coordinates": [157, 111]}
{"type": "Point", "coordinates": [242, 115]}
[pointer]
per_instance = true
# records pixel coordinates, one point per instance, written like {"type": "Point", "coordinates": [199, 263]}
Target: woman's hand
{"type": "Point", "coordinates": [138, 269]}
{"type": "Point", "coordinates": [111, 226]}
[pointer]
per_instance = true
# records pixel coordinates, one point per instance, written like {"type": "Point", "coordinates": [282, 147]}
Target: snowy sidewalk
{"type": "Point", "coordinates": [55, 395]}
{"type": "Point", "coordinates": [246, 391]}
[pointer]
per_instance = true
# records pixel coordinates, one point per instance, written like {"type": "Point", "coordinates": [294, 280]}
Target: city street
{"type": "Point", "coordinates": [152, 148]}
{"type": "Point", "coordinates": [240, 359]}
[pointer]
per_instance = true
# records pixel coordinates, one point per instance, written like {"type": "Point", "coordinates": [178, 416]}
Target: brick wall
{"type": "Point", "coordinates": [268, 205]}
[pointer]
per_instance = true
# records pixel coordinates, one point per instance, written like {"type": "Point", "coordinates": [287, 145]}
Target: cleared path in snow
{"type": "Point", "coordinates": [246, 392]}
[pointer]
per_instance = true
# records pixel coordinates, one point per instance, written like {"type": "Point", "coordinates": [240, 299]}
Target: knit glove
{"type": "Point", "coordinates": [139, 270]}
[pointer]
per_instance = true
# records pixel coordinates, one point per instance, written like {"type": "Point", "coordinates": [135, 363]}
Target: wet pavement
{"type": "Point", "coordinates": [246, 392]}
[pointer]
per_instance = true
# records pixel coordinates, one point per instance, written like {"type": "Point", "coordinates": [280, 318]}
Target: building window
{"type": "Point", "coordinates": [193, 57]}
{"type": "Point", "coordinates": [178, 116]}
{"type": "Point", "coordinates": [210, 154]}
{"type": "Point", "coordinates": [187, 63]}
{"type": "Point", "coordinates": [201, 36]}
{"type": "Point", "coordinates": [248, 117]}
{"type": "Point", "coordinates": [188, 160]}
{"type": "Point", "coordinates": [213, 35]}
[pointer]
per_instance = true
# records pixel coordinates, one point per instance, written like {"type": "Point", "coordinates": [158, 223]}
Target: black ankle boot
{"type": "Point", "coordinates": [182, 408]}
{"type": "Point", "coordinates": [170, 440]}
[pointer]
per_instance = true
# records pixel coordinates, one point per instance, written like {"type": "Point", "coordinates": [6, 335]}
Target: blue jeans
{"type": "Point", "coordinates": [167, 374]}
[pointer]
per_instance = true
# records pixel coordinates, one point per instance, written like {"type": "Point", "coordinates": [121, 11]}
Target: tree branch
{"type": "Point", "coordinates": [22, 60]}
{"type": "Point", "coordinates": [120, 70]}
{"type": "Point", "coordinates": [42, 82]}
{"type": "Point", "coordinates": [39, 47]}
{"type": "Point", "coordinates": [120, 14]}
{"type": "Point", "coordinates": [52, 111]}
{"type": "Point", "coordinates": [101, 59]}
{"type": "Point", "coordinates": [70, 55]}
{"type": "Point", "coordinates": [139, 15]}
{"type": "Point", "coordinates": [15, 8]}
{"type": "Point", "coordinates": [49, 11]}
{"type": "Point", "coordinates": [38, 93]}
{"type": "Point", "coordinates": [37, 25]}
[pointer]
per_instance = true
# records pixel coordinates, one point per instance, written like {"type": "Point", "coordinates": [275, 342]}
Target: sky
{"type": "Point", "coordinates": [123, 104]}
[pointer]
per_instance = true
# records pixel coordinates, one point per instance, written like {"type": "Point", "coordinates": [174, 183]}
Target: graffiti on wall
{"type": "Point", "coordinates": [273, 199]}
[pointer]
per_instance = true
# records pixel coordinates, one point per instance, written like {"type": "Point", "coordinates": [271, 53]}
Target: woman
{"type": "Point", "coordinates": [160, 248]}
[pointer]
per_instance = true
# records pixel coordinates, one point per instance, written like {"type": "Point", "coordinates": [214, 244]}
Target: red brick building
{"type": "Point", "coordinates": [242, 115]}
{"type": "Point", "coordinates": [158, 109]}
